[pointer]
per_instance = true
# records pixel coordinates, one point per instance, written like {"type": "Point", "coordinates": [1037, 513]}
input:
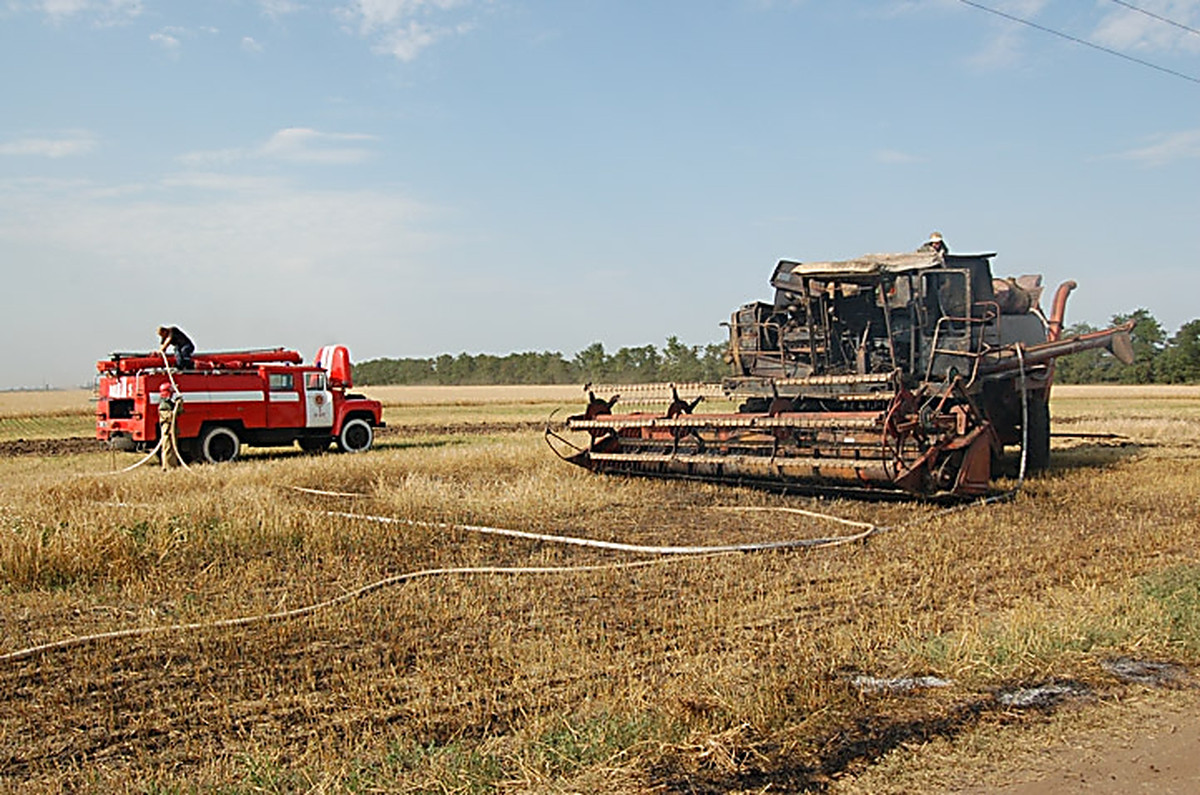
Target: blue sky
{"type": "Point", "coordinates": [416, 177]}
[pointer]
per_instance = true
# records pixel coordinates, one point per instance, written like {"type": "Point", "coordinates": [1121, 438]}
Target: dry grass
{"type": "Point", "coordinates": [729, 673]}
{"type": "Point", "coordinates": [53, 414]}
{"type": "Point", "coordinates": [15, 404]}
{"type": "Point", "coordinates": [472, 395]}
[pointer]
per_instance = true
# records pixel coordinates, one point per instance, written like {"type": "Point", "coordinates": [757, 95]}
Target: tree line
{"type": "Point", "coordinates": [676, 362]}
{"type": "Point", "coordinates": [1160, 358]}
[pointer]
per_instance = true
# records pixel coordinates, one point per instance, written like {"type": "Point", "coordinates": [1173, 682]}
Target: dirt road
{"type": "Point", "coordinates": [1155, 749]}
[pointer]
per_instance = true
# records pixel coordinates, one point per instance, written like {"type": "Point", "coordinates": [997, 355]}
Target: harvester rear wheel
{"type": "Point", "coordinates": [1037, 457]}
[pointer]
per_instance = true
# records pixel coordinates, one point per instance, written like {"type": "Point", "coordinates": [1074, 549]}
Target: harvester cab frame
{"type": "Point", "coordinates": [923, 314]}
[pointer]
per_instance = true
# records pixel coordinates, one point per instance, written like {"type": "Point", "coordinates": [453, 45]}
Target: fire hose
{"type": "Point", "coordinates": [163, 438]}
{"type": "Point", "coordinates": [664, 553]}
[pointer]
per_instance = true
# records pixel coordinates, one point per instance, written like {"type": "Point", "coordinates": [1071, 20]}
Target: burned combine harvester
{"type": "Point", "coordinates": [900, 372]}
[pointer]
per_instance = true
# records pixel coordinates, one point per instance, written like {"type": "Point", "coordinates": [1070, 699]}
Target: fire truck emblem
{"type": "Point", "coordinates": [319, 400]}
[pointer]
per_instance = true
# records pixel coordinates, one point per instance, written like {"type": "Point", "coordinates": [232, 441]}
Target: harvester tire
{"type": "Point", "coordinates": [1037, 458]}
{"type": "Point", "coordinates": [219, 444]}
{"type": "Point", "coordinates": [356, 436]}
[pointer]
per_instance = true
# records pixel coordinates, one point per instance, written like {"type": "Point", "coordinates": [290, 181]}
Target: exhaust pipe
{"type": "Point", "coordinates": [1115, 340]}
{"type": "Point", "coordinates": [1058, 311]}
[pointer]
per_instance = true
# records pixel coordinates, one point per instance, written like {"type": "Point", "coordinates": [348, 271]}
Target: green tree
{"type": "Point", "coordinates": [1086, 367]}
{"type": "Point", "coordinates": [394, 371]}
{"type": "Point", "coordinates": [1149, 340]}
{"type": "Point", "coordinates": [680, 363]}
{"type": "Point", "coordinates": [715, 362]}
{"type": "Point", "coordinates": [633, 365]}
{"type": "Point", "coordinates": [592, 364]}
{"type": "Point", "coordinates": [1180, 362]}
{"type": "Point", "coordinates": [677, 362]}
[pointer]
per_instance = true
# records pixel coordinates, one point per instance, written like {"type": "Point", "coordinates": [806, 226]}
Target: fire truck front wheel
{"type": "Point", "coordinates": [356, 436]}
{"type": "Point", "coordinates": [219, 444]}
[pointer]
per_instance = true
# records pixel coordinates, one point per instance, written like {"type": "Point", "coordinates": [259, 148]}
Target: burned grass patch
{"type": "Point", "coordinates": [747, 763]}
{"type": "Point", "coordinates": [1151, 673]}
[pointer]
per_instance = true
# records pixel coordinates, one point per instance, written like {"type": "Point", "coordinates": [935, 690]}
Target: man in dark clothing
{"type": "Point", "coordinates": [184, 348]}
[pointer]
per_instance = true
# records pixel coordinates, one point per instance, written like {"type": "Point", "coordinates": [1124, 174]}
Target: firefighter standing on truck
{"type": "Point", "coordinates": [168, 408]}
{"type": "Point", "coordinates": [184, 348]}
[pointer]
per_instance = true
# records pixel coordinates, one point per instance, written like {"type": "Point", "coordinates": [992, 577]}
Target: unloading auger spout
{"type": "Point", "coordinates": [901, 373]}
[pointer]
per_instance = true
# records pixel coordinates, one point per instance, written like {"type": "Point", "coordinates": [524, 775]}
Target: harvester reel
{"type": "Point", "coordinates": [678, 405]}
{"type": "Point", "coordinates": [903, 429]}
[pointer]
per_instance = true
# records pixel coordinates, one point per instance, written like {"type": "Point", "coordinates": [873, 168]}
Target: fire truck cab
{"type": "Point", "coordinates": [261, 398]}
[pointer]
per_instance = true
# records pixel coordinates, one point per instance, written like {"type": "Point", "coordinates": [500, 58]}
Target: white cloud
{"type": "Point", "coordinates": [171, 37]}
{"type": "Point", "coordinates": [895, 157]}
{"type": "Point", "coordinates": [1023, 8]}
{"type": "Point", "coordinates": [310, 146]}
{"type": "Point", "coordinates": [58, 9]}
{"type": "Point", "coordinates": [279, 8]}
{"type": "Point", "coordinates": [1128, 30]}
{"type": "Point", "coordinates": [293, 144]}
{"type": "Point", "coordinates": [225, 183]}
{"type": "Point", "coordinates": [213, 157]}
{"type": "Point", "coordinates": [1003, 47]}
{"type": "Point", "coordinates": [71, 145]}
{"type": "Point", "coordinates": [407, 42]}
{"type": "Point", "coordinates": [255, 263]}
{"type": "Point", "coordinates": [166, 40]}
{"type": "Point", "coordinates": [102, 12]}
{"type": "Point", "coordinates": [1006, 46]}
{"type": "Point", "coordinates": [898, 8]}
{"type": "Point", "coordinates": [384, 14]}
{"type": "Point", "coordinates": [250, 45]}
{"type": "Point", "coordinates": [1168, 148]}
{"type": "Point", "coordinates": [403, 28]}
{"type": "Point", "coordinates": [270, 226]}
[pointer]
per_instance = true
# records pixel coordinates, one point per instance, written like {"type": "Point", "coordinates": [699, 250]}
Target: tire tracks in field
{"type": "Point", "coordinates": [76, 445]}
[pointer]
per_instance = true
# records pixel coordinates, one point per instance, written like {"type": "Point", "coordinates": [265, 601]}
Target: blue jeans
{"type": "Point", "coordinates": [183, 355]}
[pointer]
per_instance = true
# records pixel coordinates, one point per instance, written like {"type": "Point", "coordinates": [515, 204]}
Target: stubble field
{"type": "Point", "coordinates": [908, 662]}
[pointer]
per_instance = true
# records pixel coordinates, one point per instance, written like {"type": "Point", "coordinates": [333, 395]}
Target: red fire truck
{"type": "Point", "coordinates": [262, 398]}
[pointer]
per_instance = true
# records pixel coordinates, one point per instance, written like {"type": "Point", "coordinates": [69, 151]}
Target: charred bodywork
{"type": "Point", "coordinates": [906, 372]}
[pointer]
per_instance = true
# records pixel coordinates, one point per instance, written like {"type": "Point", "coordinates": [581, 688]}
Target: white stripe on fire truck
{"type": "Point", "coordinates": [284, 397]}
{"type": "Point", "coordinates": [216, 397]}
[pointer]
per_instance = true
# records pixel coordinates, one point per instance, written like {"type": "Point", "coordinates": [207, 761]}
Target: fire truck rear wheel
{"type": "Point", "coordinates": [219, 444]}
{"type": "Point", "coordinates": [356, 436]}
